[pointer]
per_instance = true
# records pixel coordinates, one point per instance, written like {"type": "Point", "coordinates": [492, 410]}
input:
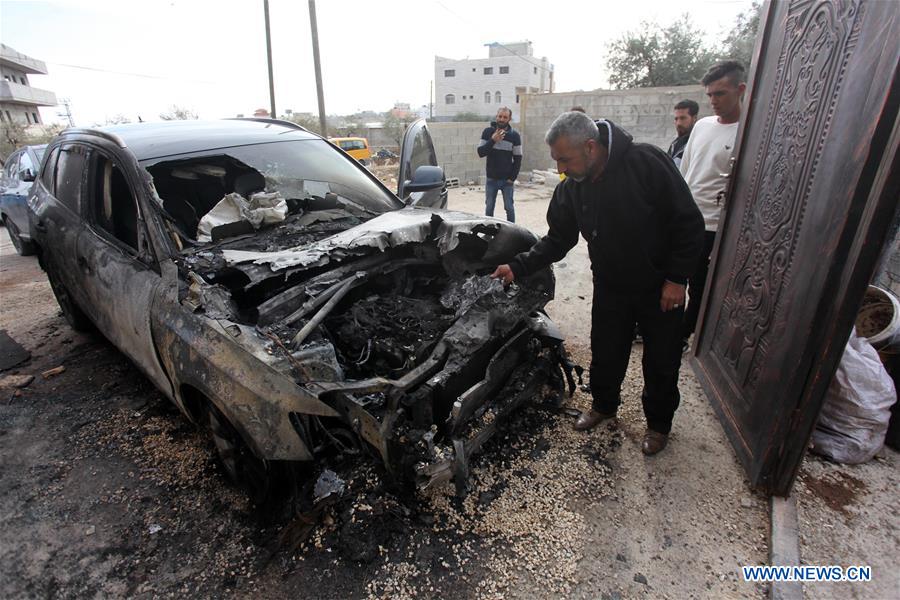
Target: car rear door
{"type": "Point", "coordinates": [417, 150]}
{"type": "Point", "coordinates": [116, 264]}
{"type": "Point", "coordinates": [56, 204]}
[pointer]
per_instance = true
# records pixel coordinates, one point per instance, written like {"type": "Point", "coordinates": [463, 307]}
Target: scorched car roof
{"type": "Point", "coordinates": [155, 140]}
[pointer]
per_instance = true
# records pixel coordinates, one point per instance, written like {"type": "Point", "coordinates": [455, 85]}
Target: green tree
{"type": "Point", "coordinates": [310, 122]}
{"type": "Point", "coordinates": [14, 135]}
{"type": "Point", "coordinates": [395, 126]}
{"type": "Point", "coordinates": [178, 113]}
{"type": "Point", "coordinates": [741, 39]}
{"type": "Point", "coordinates": [659, 56]}
{"type": "Point", "coordinates": [469, 117]}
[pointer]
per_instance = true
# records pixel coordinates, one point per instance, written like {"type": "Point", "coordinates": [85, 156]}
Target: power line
{"type": "Point", "coordinates": [144, 75]}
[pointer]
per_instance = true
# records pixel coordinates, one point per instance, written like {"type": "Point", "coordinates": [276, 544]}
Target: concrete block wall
{"type": "Point", "coordinates": [646, 113]}
{"type": "Point", "coordinates": [455, 144]}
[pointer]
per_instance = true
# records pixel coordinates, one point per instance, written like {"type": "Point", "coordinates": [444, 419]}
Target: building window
{"type": "Point", "coordinates": [489, 70]}
{"type": "Point", "coordinates": [487, 97]}
{"type": "Point", "coordinates": [535, 70]}
{"type": "Point", "coordinates": [9, 117]}
{"type": "Point", "coordinates": [449, 99]}
{"type": "Point", "coordinates": [23, 81]}
{"type": "Point", "coordinates": [504, 70]}
{"type": "Point", "coordinates": [497, 97]}
{"type": "Point", "coordinates": [517, 98]}
{"type": "Point", "coordinates": [449, 72]}
{"type": "Point", "coordinates": [27, 119]}
{"type": "Point", "coordinates": [37, 121]}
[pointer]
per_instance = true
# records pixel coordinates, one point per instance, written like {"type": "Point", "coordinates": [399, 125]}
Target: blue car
{"type": "Point", "coordinates": [18, 175]}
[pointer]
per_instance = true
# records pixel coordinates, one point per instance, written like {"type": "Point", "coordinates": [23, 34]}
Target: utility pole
{"type": "Point", "coordinates": [272, 112]}
{"type": "Point", "coordinates": [315, 43]}
{"type": "Point", "coordinates": [67, 104]}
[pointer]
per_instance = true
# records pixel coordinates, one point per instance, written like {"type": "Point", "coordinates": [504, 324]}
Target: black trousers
{"type": "Point", "coordinates": [695, 286]}
{"type": "Point", "coordinates": [612, 325]}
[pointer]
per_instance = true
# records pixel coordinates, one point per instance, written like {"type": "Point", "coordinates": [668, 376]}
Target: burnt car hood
{"type": "Point", "coordinates": [410, 225]}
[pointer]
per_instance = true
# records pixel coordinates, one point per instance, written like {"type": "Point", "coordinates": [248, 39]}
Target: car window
{"type": "Point", "coordinates": [70, 175]}
{"type": "Point", "coordinates": [25, 164]}
{"type": "Point", "coordinates": [422, 152]}
{"type": "Point", "coordinates": [111, 203]}
{"type": "Point", "coordinates": [49, 170]}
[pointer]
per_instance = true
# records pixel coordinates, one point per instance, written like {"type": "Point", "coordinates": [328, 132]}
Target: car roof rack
{"type": "Point", "coordinates": [273, 122]}
{"type": "Point", "coordinates": [95, 132]}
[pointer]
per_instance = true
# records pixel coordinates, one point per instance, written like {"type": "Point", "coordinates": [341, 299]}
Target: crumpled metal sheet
{"type": "Point", "coordinates": [389, 230]}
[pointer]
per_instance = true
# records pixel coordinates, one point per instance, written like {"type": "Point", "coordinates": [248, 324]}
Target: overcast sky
{"type": "Point", "coordinates": [138, 57]}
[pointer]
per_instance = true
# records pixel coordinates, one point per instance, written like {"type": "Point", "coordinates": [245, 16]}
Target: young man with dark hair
{"type": "Point", "coordinates": [644, 236]}
{"type": "Point", "coordinates": [502, 146]}
{"type": "Point", "coordinates": [705, 165]}
{"type": "Point", "coordinates": [685, 118]}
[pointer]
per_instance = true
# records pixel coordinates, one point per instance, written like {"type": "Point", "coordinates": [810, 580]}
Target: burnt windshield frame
{"type": "Point", "coordinates": [316, 160]}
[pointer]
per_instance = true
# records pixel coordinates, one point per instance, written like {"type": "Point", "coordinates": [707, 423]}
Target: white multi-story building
{"type": "Point", "coordinates": [19, 101]}
{"type": "Point", "coordinates": [482, 85]}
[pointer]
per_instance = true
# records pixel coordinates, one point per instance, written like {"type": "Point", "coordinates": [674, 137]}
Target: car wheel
{"type": "Point", "coordinates": [22, 247]}
{"type": "Point", "coordinates": [254, 475]}
{"type": "Point", "coordinates": [75, 317]}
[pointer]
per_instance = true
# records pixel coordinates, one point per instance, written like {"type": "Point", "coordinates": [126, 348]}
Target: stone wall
{"type": "Point", "coordinates": [455, 144]}
{"type": "Point", "coordinates": [646, 113]}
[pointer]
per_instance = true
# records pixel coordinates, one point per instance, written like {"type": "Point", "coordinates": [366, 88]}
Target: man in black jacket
{"type": "Point", "coordinates": [502, 146]}
{"type": "Point", "coordinates": [644, 235]}
{"type": "Point", "coordinates": [685, 116]}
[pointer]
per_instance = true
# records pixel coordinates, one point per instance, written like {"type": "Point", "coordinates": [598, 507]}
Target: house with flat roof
{"type": "Point", "coordinates": [19, 101]}
{"type": "Point", "coordinates": [482, 85]}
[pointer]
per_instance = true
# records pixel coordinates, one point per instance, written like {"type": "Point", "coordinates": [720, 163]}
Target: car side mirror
{"type": "Point", "coordinates": [425, 178]}
{"type": "Point", "coordinates": [27, 176]}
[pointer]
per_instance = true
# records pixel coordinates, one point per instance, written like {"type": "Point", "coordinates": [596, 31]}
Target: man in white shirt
{"type": "Point", "coordinates": [705, 165]}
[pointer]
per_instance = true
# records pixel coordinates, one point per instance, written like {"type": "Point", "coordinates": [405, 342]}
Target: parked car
{"type": "Point", "coordinates": [324, 315]}
{"type": "Point", "coordinates": [19, 173]}
{"type": "Point", "coordinates": [357, 147]}
{"type": "Point", "coordinates": [385, 154]}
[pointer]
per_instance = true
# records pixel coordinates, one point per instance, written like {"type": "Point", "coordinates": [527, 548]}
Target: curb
{"type": "Point", "coordinates": [784, 545]}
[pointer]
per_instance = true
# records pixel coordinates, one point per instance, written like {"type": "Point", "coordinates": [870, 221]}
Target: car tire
{"type": "Point", "coordinates": [22, 247]}
{"type": "Point", "coordinates": [258, 478]}
{"type": "Point", "coordinates": [75, 317]}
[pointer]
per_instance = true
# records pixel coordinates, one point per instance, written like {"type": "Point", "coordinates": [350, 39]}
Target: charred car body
{"type": "Point", "coordinates": [318, 312]}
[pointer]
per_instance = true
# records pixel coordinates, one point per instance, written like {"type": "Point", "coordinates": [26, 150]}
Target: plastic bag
{"type": "Point", "coordinates": [262, 209]}
{"type": "Point", "coordinates": [857, 407]}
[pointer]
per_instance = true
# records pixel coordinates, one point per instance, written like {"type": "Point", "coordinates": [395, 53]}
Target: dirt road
{"type": "Point", "coordinates": [108, 491]}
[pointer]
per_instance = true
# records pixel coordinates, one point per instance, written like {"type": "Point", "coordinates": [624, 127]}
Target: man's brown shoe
{"type": "Point", "coordinates": [654, 442]}
{"type": "Point", "coordinates": [590, 419]}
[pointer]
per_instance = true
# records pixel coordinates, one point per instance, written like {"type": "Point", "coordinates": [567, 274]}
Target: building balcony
{"type": "Point", "coordinates": [22, 62]}
{"type": "Point", "coordinates": [24, 94]}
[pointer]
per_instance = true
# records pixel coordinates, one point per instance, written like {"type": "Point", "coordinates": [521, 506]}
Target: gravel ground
{"type": "Point", "coordinates": [108, 491]}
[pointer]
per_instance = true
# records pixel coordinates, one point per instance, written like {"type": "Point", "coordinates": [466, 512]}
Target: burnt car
{"type": "Point", "coordinates": [280, 295]}
{"type": "Point", "coordinates": [18, 175]}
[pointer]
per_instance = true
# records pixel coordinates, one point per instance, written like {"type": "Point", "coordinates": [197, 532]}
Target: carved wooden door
{"type": "Point", "coordinates": [813, 191]}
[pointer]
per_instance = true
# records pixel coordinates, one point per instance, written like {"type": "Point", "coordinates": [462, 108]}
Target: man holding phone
{"type": "Point", "coordinates": [502, 146]}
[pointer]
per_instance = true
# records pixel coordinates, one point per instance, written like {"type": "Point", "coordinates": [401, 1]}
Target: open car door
{"type": "Point", "coordinates": [813, 192]}
{"type": "Point", "coordinates": [417, 151]}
